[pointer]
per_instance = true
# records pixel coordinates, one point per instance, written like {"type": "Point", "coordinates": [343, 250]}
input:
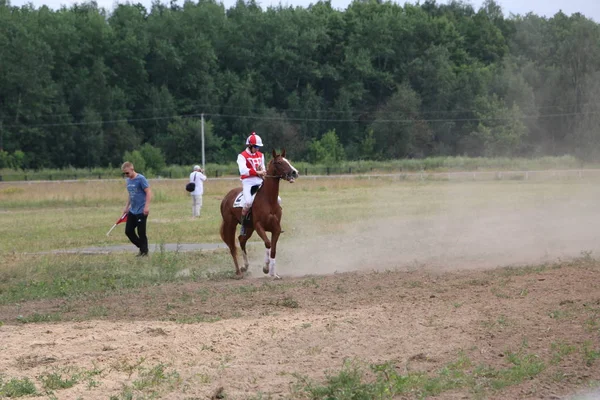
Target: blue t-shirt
{"type": "Point", "coordinates": [137, 196]}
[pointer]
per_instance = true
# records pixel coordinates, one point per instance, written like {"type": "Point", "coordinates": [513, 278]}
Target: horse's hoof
{"type": "Point", "coordinates": [244, 269]}
{"type": "Point", "coordinates": [266, 269]}
{"type": "Point", "coordinates": [239, 276]}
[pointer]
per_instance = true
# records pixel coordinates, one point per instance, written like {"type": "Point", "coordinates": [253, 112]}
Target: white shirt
{"type": "Point", "coordinates": [198, 178]}
{"type": "Point", "coordinates": [241, 162]}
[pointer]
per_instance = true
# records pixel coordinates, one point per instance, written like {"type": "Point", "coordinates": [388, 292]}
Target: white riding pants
{"type": "Point", "coordinates": [246, 188]}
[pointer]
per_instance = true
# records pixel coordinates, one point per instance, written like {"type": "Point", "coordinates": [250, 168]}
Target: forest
{"type": "Point", "coordinates": [84, 87]}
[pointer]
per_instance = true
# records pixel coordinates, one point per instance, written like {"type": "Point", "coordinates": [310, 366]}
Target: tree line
{"type": "Point", "coordinates": [84, 86]}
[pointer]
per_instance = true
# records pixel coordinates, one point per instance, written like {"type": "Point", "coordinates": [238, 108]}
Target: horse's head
{"type": "Point", "coordinates": [280, 167]}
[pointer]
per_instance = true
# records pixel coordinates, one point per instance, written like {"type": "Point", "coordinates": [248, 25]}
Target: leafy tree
{"type": "Point", "coordinates": [182, 143]}
{"type": "Point", "coordinates": [137, 159]}
{"type": "Point", "coordinates": [5, 159]}
{"type": "Point", "coordinates": [328, 150]}
{"type": "Point", "coordinates": [15, 160]}
{"type": "Point", "coordinates": [277, 132]}
{"type": "Point", "coordinates": [586, 136]}
{"type": "Point", "coordinates": [83, 85]}
{"type": "Point", "coordinates": [399, 128]}
{"type": "Point", "coordinates": [153, 157]}
{"type": "Point", "coordinates": [368, 146]}
{"type": "Point", "coordinates": [213, 145]}
{"type": "Point", "coordinates": [89, 140]}
{"type": "Point", "coordinates": [501, 131]}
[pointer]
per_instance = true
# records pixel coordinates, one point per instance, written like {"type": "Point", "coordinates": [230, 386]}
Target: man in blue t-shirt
{"type": "Point", "coordinates": [138, 207]}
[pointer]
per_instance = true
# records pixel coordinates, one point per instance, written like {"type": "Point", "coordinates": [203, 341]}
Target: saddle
{"type": "Point", "coordinates": [239, 203]}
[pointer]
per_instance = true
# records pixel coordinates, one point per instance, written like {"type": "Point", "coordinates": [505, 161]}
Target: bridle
{"type": "Point", "coordinates": [288, 177]}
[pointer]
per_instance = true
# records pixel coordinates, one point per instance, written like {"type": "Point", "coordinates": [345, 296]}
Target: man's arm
{"type": "Point", "coordinates": [126, 209]}
{"type": "Point", "coordinates": [244, 170]}
{"type": "Point", "coordinates": [148, 199]}
{"type": "Point", "coordinates": [263, 170]}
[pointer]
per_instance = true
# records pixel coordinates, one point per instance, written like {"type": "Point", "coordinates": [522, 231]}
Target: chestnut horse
{"type": "Point", "coordinates": [265, 215]}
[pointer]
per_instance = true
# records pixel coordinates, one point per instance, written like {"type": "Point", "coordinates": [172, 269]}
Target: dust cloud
{"type": "Point", "coordinates": [518, 225]}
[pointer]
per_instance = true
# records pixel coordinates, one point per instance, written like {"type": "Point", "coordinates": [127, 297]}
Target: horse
{"type": "Point", "coordinates": [265, 215]}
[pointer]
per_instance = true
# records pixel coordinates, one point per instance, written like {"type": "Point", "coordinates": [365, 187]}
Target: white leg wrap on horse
{"type": "Point", "coordinates": [267, 256]}
{"type": "Point", "coordinates": [272, 268]}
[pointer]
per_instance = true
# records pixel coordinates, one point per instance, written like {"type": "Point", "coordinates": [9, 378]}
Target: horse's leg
{"type": "Point", "coordinates": [267, 257]}
{"type": "Point", "coordinates": [269, 267]}
{"type": "Point", "coordinates": [267, 249]}
{"type": "Point", "coordinates": [228, 235]}
{"type": "Point", "coordinates": [243, 239]}
{"type": "Point", "coordinates": [274, 239]}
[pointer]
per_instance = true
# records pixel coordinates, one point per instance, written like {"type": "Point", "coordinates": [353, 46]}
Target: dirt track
{"type": "Point", "coordinates": [251, 336]}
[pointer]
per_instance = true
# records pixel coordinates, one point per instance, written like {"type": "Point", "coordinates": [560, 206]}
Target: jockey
{"type": "Point", "coordinates": [251, 163]}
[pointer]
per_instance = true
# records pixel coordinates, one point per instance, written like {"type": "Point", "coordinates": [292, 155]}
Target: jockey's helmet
{"type": "Point", "coordinates": [254, 140]}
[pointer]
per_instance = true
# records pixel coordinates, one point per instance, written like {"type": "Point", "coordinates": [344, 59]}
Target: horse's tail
{"type": "Point", "coordinates": [228, 235]}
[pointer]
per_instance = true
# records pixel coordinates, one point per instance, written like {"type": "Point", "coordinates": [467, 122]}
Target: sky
{"type": "Point", "coordinates": [589, 8]}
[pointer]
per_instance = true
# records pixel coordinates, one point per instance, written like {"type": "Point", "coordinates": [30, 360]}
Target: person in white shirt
{"type": "Point", "coordinates": [198, 177]}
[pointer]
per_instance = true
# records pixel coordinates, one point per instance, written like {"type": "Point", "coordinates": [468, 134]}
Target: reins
{"type": "Point", "coordinates": [277, 176]}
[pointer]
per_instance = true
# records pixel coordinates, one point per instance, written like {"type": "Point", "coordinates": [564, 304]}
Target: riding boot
{"type": "Point", "coordinates": [242, 229]}
{"type": "Point", "coordinates": [243, 221]}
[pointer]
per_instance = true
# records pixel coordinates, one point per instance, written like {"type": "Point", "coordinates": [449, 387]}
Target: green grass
{"type": "Point", "coordinates": [590, 353]}
{"type": "Point", "coordinates": [48, 216]}
{"type": "Point", "coordinates": [97, 312]}
{"type": "Point", "coordinates": [50, 381]}
{"type": "Point", "coordinates": [78, 214]}
{"type": "Point", "coordinates": [16, 387]}
{"type": "Point", "coordinates": [156, 376]}
{"type": "Point", "coordinates": [66, 276]}
{"type": "Point", "coordinates": [57, 380]}
{"type": "Point", "coordinates": [383, 381]}
{"type": "Point", "coordinates": [559, 314]}
{"type": "Point", "coordinates": [560, 350]}
{"type": "Point", "coordinates": [288, 302]}
{"type": "Point", "coordinates": [344, 167]}
{"type": "Point", "coordinates": [148, 382]}
{"type": "Point", "coordinates": [35, 317]}
{"type": "Point", "coordinates": [523, 270]}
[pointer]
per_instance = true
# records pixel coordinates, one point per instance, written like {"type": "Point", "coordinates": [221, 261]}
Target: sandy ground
{"type": "Point", "coordinates": [264, 332]}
